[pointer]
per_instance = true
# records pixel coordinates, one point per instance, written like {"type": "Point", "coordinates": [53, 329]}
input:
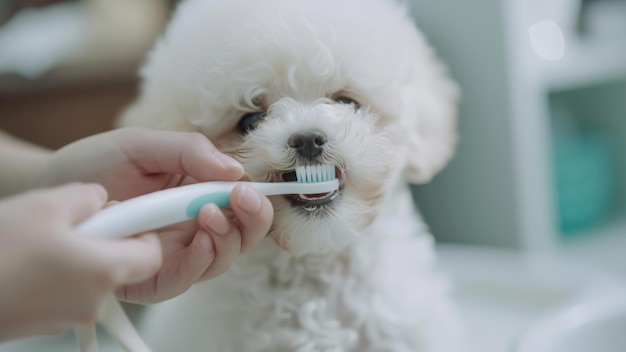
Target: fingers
{"type": "Point", "coordinates": [254, 213]}
{"type": "Point", "coordinates": [194, 255]}
{"type": "Point", "coordinates": [190, 154]}
{"type": "Point", "coordinates": [125, 261]}
{"type": "Point", "coordinates": [76, 201]}
{"type": "Point", "coordinates": [178, 273]}
{"type": "Point", "coordinates": [226, 238]}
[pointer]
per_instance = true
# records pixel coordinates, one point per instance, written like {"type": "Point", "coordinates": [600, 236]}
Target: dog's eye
{"type": "Point", "coordinates": [250, 121]}
{"type": "Point", "coordinates": [348, 101]}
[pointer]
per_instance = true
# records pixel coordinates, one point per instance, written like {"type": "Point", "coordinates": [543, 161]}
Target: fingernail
{"type": "Point", "coordinates": [249, 199]}
{"type": "Point", "coordinates": [218, 223]}
{"type": "Point", "coordinates": [228, 161]}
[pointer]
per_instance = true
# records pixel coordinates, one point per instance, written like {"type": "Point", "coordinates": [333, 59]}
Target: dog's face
{"type": "Point", "coordinates": [280, 84]}
{"type": "Point", "coordinates": [334, 131]}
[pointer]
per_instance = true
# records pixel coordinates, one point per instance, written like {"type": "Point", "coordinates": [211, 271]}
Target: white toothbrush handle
{"type": "Point", "coordinates": [171, 206]}
{"type": "Point", "coordinates": [152, 211]}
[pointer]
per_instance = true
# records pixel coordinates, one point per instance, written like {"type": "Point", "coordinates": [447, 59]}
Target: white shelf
{"type": "Point", "coordinates": [586, 62]}
{"type": "Point", "coordinates": [505, 126]}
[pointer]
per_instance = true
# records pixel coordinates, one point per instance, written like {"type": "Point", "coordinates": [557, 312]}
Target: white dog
{"type": "Point", "coordinates": [284, 83]}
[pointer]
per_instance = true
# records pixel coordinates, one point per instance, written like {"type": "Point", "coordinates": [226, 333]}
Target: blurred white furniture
{"type": "Point", "coordinates": [596, 325]}
{"type": "Point", "coordinates": [523, 302]}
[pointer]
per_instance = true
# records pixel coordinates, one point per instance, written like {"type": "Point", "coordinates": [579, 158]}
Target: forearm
{"type": "Point", "coordinates": [19, 163]}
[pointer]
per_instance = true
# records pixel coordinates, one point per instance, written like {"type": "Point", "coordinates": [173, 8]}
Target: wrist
{"type": "Point", "coordinates": [21, 163]}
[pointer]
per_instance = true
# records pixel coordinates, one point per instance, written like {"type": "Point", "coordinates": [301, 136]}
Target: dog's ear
{"type": "Point", "coordinates": [432, 125]}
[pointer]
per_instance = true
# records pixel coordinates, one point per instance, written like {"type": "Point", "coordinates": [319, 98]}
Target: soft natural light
{"type": "Point", "coordinates": [547, 40]}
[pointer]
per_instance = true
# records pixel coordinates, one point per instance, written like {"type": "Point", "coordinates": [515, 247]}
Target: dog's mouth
{"type": "Point", "coordinates": [315, 200]}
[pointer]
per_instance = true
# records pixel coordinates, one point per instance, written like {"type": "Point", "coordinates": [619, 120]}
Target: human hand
{"type": "Point", "coordinates": [53, 278]}
{"type": "Point", "coordinates": [131, 162]}
{"type": "Point", "coordinates": [193, 254]}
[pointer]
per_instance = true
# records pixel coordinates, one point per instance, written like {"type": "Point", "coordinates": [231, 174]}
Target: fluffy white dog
{"type": "Point", "coordinates": [280, 84]}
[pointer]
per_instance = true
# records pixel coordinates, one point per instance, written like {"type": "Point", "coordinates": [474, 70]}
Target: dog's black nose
{"type": "Point", "coordinates": [308, 144]}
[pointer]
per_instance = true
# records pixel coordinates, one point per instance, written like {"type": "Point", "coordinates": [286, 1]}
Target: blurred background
{"type": "Point", "coordinates": [67, 68]}
{"type": "Point", "coordinates": [530, 215]}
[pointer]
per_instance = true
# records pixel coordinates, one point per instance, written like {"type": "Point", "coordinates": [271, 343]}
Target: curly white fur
{"type": "Point", "coordinates": [354, 275]}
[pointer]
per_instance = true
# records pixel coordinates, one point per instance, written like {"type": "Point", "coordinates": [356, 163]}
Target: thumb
{"type": "Point", "coordinates": [133, 259]}
{"type": "Point", "coordinates": [78, 200]}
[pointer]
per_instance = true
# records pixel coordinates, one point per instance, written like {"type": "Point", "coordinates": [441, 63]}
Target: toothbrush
{"type": "Point", "coordinates": [174, 205]}
{"type": "Point", "coordinates": [162, 208]}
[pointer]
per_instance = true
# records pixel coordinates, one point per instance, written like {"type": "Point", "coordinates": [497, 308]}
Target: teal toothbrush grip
{"type": "Point", "coordinates": [221, 199]}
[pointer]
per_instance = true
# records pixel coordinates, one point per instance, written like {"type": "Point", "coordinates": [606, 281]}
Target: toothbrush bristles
{"type": "Point", "coordinates": [315, 173]}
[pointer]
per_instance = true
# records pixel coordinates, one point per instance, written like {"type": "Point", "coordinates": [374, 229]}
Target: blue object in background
{"type": "Point", "coordinates": [585, 180]}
